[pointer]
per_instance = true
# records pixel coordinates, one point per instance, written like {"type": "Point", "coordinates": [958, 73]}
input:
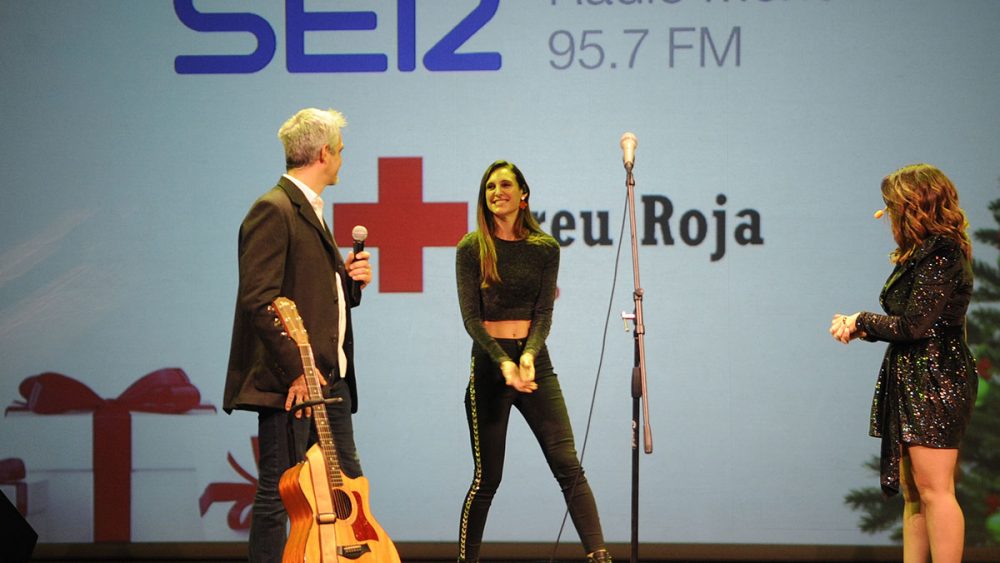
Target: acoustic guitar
{"type": "Point", "coordinates": [330, 517]}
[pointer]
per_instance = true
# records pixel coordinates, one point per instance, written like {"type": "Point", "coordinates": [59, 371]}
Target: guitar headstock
{"type": "Point", "coordinates": [288, 314]}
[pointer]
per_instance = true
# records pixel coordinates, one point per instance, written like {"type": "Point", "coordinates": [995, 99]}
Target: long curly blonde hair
{"type": "Point", "coordinates": [923, 202]}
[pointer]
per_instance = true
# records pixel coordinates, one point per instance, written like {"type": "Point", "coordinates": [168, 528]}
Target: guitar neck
{"type": "Point", "coordinates": [323, 431]}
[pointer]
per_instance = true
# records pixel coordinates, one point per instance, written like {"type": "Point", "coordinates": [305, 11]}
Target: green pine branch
{"type": "Point", "coordinates": [877, 514]}
{"type": "Point", "coordinates": [987, 284]}
{"type": "Point", "coordinates": [984, 331]}
{"type": "Point", "coordinates": [988, 236]}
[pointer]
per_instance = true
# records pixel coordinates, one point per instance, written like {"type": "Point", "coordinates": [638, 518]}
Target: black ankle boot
{"type": "Point", "coordinates": [599, 556]}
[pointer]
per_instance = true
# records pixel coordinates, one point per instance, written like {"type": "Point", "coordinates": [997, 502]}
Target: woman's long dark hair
{"type": "Point", "coordinates": [525, 225]}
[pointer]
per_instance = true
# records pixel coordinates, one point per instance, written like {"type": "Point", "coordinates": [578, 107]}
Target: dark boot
{"type": "Point", "coordinates": [599, 556]}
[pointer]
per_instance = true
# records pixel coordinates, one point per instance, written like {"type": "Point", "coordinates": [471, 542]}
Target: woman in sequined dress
{"type": "Point", "coordinates": [926, 386]}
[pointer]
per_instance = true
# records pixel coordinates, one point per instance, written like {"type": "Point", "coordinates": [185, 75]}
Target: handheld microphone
{"type": "Point", "coordinates": [628, 144]}
{"type": "Point", "coordinates": [359, 233]}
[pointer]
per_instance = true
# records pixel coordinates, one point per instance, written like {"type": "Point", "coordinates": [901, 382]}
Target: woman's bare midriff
{"type": "Point", "coordinates": [508, 329]}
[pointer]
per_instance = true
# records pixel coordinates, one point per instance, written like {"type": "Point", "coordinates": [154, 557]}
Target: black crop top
{"type": "Point", "coordinates": [527, 290]}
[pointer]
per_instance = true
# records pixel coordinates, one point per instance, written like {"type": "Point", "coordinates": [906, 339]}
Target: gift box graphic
{"type": "Point", "coordinates": [165, 391]}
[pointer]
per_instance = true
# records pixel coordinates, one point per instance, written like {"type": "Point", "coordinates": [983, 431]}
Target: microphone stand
{"type": "Point", "coordinates": [638, 369]}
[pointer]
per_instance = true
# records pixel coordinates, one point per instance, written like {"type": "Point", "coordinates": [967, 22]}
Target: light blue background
{"type": "Point", "coordinates": [126, 183]}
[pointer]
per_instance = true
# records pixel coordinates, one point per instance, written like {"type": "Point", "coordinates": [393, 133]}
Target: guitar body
{"type": "Point", "coordinates": [300, 513]}
{"type": "Point", "coordinates": [330, 525]}
{"type": "Point", "coordinates": [330, 515]}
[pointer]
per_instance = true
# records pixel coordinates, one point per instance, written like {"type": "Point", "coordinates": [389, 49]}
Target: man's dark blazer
{"type": "Point", "coordinates": [284, 251]}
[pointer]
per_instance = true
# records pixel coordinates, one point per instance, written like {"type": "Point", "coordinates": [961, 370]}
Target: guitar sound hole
{"type": "Point", "coordinates": [342, 504]}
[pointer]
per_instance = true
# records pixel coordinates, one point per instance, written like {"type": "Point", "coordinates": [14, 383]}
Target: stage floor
{"type": "Point", "coordinates": [414, 552]}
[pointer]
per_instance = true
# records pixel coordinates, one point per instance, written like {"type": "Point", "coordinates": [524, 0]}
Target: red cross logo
{"type": "Point", "coordinates": [402, 224]}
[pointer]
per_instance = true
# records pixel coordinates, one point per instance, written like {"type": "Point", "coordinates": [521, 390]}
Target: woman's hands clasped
{"type": "Point", "coordinates": [520, 377]}
{"type": "Point", "coordinates": [844, 328]}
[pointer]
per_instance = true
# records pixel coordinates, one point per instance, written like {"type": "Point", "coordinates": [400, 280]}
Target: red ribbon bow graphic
{"type": "Point", "coordinates": [240, 494]}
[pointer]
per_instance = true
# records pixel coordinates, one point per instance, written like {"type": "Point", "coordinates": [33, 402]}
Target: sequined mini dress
{"type": "Point", "coordinates": [926, 386]}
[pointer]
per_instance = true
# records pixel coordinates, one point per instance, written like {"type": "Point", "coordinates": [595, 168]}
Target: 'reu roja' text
{"type": "Point", "coordinates": [661, 224]}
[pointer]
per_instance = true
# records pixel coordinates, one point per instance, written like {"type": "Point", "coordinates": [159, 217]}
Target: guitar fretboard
{"type": "Point", "coordinates": [326, 442]}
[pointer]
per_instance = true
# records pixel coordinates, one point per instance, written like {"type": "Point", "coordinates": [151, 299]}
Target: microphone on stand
{"type": "Point", "coordinates": [640, 396]}
{"type": "Point", "coordinates": [628, 144]}
{"type": "Point", "coordinates": [359, 233]}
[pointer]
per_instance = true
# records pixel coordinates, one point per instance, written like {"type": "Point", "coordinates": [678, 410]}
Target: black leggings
{"type": "Point", "coordinates": [487, 406]}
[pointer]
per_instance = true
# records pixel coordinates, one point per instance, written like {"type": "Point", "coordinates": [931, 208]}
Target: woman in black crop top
{"type": "Point", "coordinates": [506, 271]}
{"type": "Point", "coordinates": [927, 385]}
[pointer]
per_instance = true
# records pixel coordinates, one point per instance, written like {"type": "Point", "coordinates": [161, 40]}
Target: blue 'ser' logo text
{"type": "Point", "coordinates": [443, 56]}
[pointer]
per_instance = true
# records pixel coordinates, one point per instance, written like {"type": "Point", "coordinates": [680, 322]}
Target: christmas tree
{"type": "Point", "coordinates": [978, 479]}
